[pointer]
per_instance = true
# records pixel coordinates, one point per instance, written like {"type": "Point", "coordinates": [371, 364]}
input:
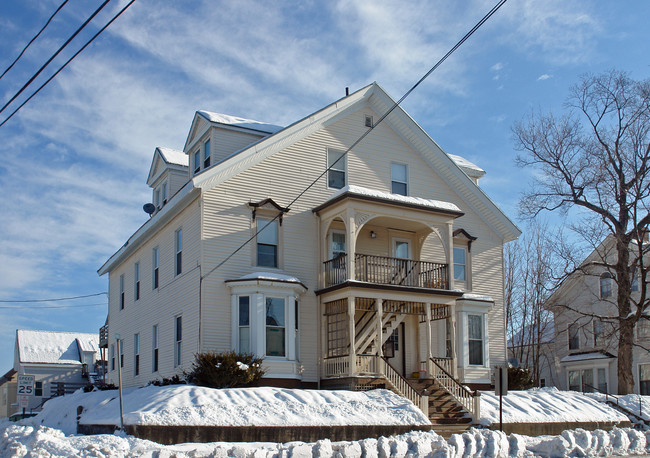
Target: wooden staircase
{"type": "Point", "coordinates": [447, 416]}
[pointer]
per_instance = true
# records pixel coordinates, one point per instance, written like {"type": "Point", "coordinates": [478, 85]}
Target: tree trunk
{"type": "Point", "coordinates": [624, 366]}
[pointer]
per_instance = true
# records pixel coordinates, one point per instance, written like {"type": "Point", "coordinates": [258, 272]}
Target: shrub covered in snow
{"type": "Point", "coordinates": [519, 378]}
{"type": "Point", "coordinates": [225, 370]}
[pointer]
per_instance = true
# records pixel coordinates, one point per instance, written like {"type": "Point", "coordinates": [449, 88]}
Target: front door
{"type": "Point", "coordinates": [403, 265]}
{"type": "Point", "coordinates": [394, 349]}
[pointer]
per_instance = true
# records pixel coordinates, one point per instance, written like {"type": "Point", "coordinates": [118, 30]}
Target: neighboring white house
{"type": "Point", "coordinates": [533, 352]}
{"type": "Point", "coordinates": [60, 361]}
{"type": "Point", "coordinates": [586, 341]}
{"type": "Point", "coordinates": [395, 252]}
{"type": "Point", "coordinates": [8, 404]}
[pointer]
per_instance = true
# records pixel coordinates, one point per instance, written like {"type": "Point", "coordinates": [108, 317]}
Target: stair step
{"type": "Point", "coordinates": [450, 421]}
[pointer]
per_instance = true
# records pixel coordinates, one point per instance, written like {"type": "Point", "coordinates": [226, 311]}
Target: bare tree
{"type": "Point", "coordinates": [596, 159]}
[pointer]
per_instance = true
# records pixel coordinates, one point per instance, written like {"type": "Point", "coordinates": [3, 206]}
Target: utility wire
{"type": "Point", "coordinates": [26, 301]}
{"type": "Point", "coordinates": [55, 54]}
{"type": "Point", "coordinates": [32, 40]}
{"type": "Point", "coordinates": [68, 61]}
{"type": "Point", "coordinates": [365, 134]}
{"type": "Point", "coordinates": [39, 307]}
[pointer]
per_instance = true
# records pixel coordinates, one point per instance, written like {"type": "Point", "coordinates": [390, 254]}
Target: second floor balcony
{"type": "Point", "coordinates": [384, 270]}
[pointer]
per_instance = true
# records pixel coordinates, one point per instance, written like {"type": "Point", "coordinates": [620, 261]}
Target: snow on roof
{"type": "Point", "coordinates": [477, 297]}
{"type": "Point", "coordinates": [410, 200]}
{"type": "Point", "coordinates": [173, 156]}
{"type": "Point", "coordinates": [54, 347]}
{"type": "Point", "coordinates": [270, 276]}
{"type": "Point", "coordinates": [585, 357]}
{"type": "Point", "coordinates": [240, 122]}
{"type": "Point", "coordinates": [470, 168]}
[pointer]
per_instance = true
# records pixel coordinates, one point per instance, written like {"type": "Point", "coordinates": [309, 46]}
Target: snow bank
{"type": "Point", "coordinates": [263, 406]}
{"type": "Point", "coordinates": [545, 405]}
{"type": "Point", "coordinates": [628, 401]}
{"type": "Point", "coordinates": [20, 441]}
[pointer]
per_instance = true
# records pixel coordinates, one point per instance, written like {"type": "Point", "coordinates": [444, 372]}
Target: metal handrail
{"type": "Point", "coordinates": [465, 397]}
{"type": "Point", "coordinates": [598, 390]}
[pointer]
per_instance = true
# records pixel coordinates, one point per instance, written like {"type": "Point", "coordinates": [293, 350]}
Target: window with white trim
{"type": "Point", "coordinates": [121, 353]}
{"type": "Point", "coordinates": [460, 264]}
{"type": "Point", "coordinates": [122, 292]}
{"type": "Point", "coordinates": [156, 199]}
{"type": "Point", "coordinates": [197, 161]}
{"type": "Point", "coordinates": [164, 193]}
{"type": "Point", "coordinates": [599, 332]}
{"type": "Point", "coordinates": [178, 237]}
{"type": "Point", "coordinates": [634, 280]}
{"type": "Point", "coordinates": [336, 174]}
{"type": "Point", "coordinates": [154, 346]}
{"type": "Point", "coordinates": [267, 242]}
{"type": "Point", "coordinates": [644, 379]}
{"type": "Point", "coordinates": [574, 336]}
{"type": "Point", "coordinates": [206, 154]}
{"type": "Point", "coordinates": [155, 253]}
{"type": "Point", "coordinates": [178, 340]}
{"type": "Point", "coordinates": [136, 281]}
{"type": "Point", "coordinates": [112, 357]}
{"type": "Point", "coordinates": [399, 179]}
{"type": "Point", "coordinates": [475, 336]}
{"type": "Point", "coordinates": [275, 327]}
{"type": "Point", "coordinates": [244, 324]}
{"type": "Point", "coordinates": [605, 285]}
{"type": "Point", "coordinates": [643, 328]}
{"type": "Point", "coordinates": [136, 354]}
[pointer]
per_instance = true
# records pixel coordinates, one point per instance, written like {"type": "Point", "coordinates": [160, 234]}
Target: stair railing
{"type": "Point", "coordinates": [471, 401]}
{"type": "Point", "coordinates": [403, 387]}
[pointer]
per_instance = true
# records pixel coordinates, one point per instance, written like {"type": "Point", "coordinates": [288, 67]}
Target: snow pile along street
{"type": "Point", "coordinates": [545, 405]}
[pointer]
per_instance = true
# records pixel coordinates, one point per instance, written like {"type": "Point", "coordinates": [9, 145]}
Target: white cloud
{"type": "Point", "coordinates": [545, 76]}
{"type": "Point", "coordinates": [496, 67]}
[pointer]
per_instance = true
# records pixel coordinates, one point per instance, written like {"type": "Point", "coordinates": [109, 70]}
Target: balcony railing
{"type": "Point", "coordinates": [384, 270]}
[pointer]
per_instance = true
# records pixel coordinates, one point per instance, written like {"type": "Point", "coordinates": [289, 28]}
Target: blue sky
{"type": "Point", "coordinates": [74, 161]}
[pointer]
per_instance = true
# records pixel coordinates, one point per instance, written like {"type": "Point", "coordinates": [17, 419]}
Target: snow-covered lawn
{"type": "Point", "coordinates": [546, 405]}
{"type": "Point", "coordinates": [629, 402]}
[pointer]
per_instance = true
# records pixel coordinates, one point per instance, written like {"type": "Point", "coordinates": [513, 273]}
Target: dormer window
{"type": "Point", "coordinates": [164, 193]}
{"type": "Point", "coordinates": [197, 162]}
{"type": "Point", "coordinates": [156, 198]}
{"type": "Point", "coordinates": [206, 155]}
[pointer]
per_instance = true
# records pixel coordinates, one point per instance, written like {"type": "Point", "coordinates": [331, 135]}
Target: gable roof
{"type": "Point", "coordinates": [49, 347]}
{"type": "Point", "coordinates": [171, 158]}
{"type": "Point", "coordinates": [374, 96]}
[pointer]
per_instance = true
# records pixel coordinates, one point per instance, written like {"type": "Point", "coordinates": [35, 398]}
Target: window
{"type": "Point", "coordinates": [275, 331]}
{"type": "Point", "coordinates": [197, 161]}
{"type": "Point", "coordinates": [336, 172]}
{"type": "Point", "coordinates": [337, 243]}
{"type": "Point", "coordinates": [643, 328]}
{"type": "Point", "coordinates": [244, 325]}
{"type": "Point", "coordinates": [605, 285]}
{"type": "Point", "coordinates": [156, 199]}
{"type": "Point", "coordinates": [602, 380]}
{"type": "Point", "coordinates": [179, 251]}
{"type": "Point", "coordinates": [368, 121]}
{"type": "Point", "coordinates": [634, 281]}
{"type": "Point", "coordinates": [154, 263]}
{"type": "Point", "coordinates": [394, 339]}
{"type": "Point", "coordinates": [598, 332]}
{"type": "Point", "coordinates": [206, 155]}
{"type": "Point", "coordinates": [542, 383]}
{"type": "Point", "coordinates": [121, 353]}
{"type": "Point", "coordinates": [448, 337]}
{"type": "Point", "coordinates": [122, 292]}
{"type": "Point", "coordinates": [178, 336]}
{"type": "Point", "coordinates": [38, 388]}
{"type": "Point", "coordinates": [574, 337]}
{"type": "Point", "coordinates": [136, 281]}
{"type": "Point", "coordinates": [267, 242]}
{"type": "Point", "coordinates": [154, 345]}
{"type": "Point", "coordinates": [644, 379]}
{"type": "Point", "coordinates": [475, 335]}
{"type": "Point", "coordinates": [399, 179]}
{"type": "Point", "coordinates": [164, 193]}
{"type": "Point", "coordinates": [460, 264]}
{"type": "Point", "coordinates": [136, 354]}
{"type": "Point", "coordinates": [581, 380]}
{"type": "Point", "coordinates": [112, 357]}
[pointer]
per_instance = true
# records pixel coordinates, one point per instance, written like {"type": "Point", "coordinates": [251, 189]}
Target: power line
{"type": "Point", "coordinates": [25, 301]}
{"type": "Point", "coordinates": [487, 16]}
{"type": "Point", "coordinates": [35, 37]}
{"type": "Point", "coordinates": [68, 61]}
{"type": "Point", "coordinates": [39, 307]}
{"type": "Point", "coordinates": [55, 54]}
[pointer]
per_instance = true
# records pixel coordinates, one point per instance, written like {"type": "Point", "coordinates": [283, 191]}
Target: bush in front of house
{"type": "Point", "coordinates": [173, 380]}
{"type": "Point", "coordinates": [225, 370]}
{"type": "Point", "coordinates": [519, 378]}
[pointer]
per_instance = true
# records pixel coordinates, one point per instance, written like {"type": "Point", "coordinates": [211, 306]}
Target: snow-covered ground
{"type": "Point", "coordinates": [629, 402]}
{"type": "Point", "coordinates": [546, 405]}
{"type": "Point", "coordinates": [51, 433]}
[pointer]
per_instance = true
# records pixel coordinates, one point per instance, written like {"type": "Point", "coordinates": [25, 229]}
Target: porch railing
{"type": "Point", "coordinates": [403, 387]}
{"type": "Point", "coordinates": [385, 270]}
{"type": "Point", "coordinates": [337, 366]}
{"type": "Point", "coordinates": [471, 401]}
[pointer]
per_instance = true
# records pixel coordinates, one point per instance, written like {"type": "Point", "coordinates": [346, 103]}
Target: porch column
{"type": "Point", "coordinates": [380, 337]}
{"type": "Point", "coordinates": [353, 351]}
{"type": "Point", "coordinates": [452, 336]}
{"type": "Point", "coordinates": [450, 254]}
{"type": "Point", "coordinates": [351, 240]}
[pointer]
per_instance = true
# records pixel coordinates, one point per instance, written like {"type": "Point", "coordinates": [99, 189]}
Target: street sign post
{"type": "Point", "coordinates": [25, 387]}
